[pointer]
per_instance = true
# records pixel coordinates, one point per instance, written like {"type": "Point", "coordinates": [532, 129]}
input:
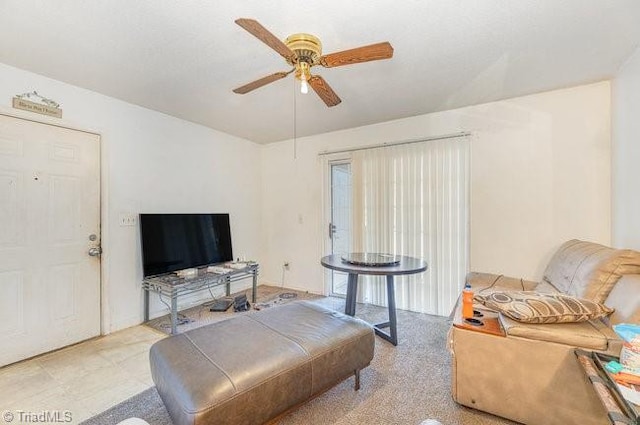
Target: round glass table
{"type": "Point", "coordinates": [374, 264]}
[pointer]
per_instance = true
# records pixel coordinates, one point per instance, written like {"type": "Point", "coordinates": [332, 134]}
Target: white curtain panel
{"type": "Point", "coordinates": [413, 200]}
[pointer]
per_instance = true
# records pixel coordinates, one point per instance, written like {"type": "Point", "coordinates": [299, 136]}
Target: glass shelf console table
{"type": "Point", "coordinates": [173, 286]}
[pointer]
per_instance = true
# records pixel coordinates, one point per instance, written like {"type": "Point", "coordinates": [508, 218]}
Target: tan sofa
{"type": "Point", "coordinates": [531, 375]}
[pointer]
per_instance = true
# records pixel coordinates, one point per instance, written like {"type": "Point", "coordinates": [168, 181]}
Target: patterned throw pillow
{"type": "Point", "coordinates": [533, 307]}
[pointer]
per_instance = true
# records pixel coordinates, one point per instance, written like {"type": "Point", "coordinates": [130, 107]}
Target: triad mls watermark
{"type": "Point", "coordinates": [41, 417]}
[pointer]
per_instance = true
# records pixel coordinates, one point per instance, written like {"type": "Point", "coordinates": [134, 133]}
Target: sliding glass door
{"type": "Point", "coordinates": [404, 199]}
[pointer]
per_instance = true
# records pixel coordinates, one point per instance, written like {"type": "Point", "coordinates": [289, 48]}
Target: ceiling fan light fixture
{"type": "Point", "coordinates": [303, 73]}
{"type": "Point", "coordinates": [307, 48]}
{"type": "Point", "coordinates": [303, 51]}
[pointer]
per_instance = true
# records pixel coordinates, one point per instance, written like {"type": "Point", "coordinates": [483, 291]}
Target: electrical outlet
{"type": "Point", "coordinates": [128, 219]}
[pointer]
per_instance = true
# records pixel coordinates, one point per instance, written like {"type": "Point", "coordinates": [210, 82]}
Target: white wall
{"type": "Point", "coordinates": [540, 175]}
{"type": "Point", "coordinates": [625, 110]}
{"type": "Point", "coordinates": [152, 162]}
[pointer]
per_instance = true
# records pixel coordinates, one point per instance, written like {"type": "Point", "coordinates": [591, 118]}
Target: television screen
{"type": "Point", "coordinates": [173, 242]}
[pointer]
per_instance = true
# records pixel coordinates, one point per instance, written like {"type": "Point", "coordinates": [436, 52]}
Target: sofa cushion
{"type": "Point", "coordinates": [533, 307]}
{"type": "Point", "coordinates": [546, 288]}
{"type": "Point", "coordinates": [589, 270]}
{"type": "Point", "coordinates": [489, 282]}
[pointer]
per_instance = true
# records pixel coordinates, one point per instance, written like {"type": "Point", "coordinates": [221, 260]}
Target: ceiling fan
{"type": "Point", "coordinates": [304, 51]}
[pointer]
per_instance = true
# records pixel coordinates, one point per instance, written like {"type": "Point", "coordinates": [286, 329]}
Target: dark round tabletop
{"type": "Point", "coordinates": [408, 265]}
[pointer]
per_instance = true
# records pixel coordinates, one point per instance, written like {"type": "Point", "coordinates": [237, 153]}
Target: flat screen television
{"type": "Point", "coordinates": [173, 242]}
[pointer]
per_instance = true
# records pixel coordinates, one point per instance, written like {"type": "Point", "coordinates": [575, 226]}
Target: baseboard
{"type": "Point", "coordinates": [296, 288]}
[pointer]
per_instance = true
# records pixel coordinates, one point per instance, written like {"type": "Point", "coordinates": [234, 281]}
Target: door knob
{"type": "Point", "coordinates": [95, 252]}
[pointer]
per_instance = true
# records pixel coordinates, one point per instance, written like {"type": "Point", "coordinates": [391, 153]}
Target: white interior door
{"type": "Point", "coordinates": [49, 210]}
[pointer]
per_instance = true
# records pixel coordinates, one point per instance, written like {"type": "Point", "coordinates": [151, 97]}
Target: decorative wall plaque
{"type": "Point", "coordinates": [44, 106]}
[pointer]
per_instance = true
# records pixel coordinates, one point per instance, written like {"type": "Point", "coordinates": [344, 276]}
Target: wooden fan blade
{"type": "Point", "coordinates": [261, 82]}
{"type": "Point", "coordinates": [323, 90]}
{"type": "Point", "coordinates": [372, 52]}
{"type": "Point", "coordinates": [260, 32]}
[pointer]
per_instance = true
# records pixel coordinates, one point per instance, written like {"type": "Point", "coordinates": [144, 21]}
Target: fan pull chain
{"type": "Point", "coordinates": [295, 142]}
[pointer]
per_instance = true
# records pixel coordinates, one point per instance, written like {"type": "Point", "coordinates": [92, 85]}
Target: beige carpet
{"type": "Point", "coordinates": [403, 385]}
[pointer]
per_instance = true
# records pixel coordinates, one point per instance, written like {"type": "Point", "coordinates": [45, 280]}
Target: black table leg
{"type": "Point", "coordinates": [254, 286]}
{"type": "Point", "coordinates": [392, 336]}
{"type": "Point", "coordinates": [146, 305]}
{"type": "Point", "coordinates": [352, 291]}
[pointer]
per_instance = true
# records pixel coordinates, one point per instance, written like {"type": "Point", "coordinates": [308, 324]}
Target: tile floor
{"type": "Point", "coordinates": [84, 379]}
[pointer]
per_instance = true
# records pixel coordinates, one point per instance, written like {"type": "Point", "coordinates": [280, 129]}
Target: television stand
{"type": "Point", "coordinates": [173, 287]}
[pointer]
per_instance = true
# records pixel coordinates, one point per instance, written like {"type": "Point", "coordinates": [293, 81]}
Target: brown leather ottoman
{"type": "Point", "coordinates": [251, 368]}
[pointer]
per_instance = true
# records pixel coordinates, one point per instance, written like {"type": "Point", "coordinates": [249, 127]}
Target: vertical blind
{"type": "Point", "coordinates": [413, 200]}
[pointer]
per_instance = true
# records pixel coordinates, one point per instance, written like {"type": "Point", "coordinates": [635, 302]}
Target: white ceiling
{"type": "Point", "coordinates": [184, 57]}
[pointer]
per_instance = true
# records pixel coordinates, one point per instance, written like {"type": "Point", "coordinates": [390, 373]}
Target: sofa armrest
{"type": "Point", "coordinates": [592, 334]}
{"type": "Point", "coordinates": [625, 299]}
